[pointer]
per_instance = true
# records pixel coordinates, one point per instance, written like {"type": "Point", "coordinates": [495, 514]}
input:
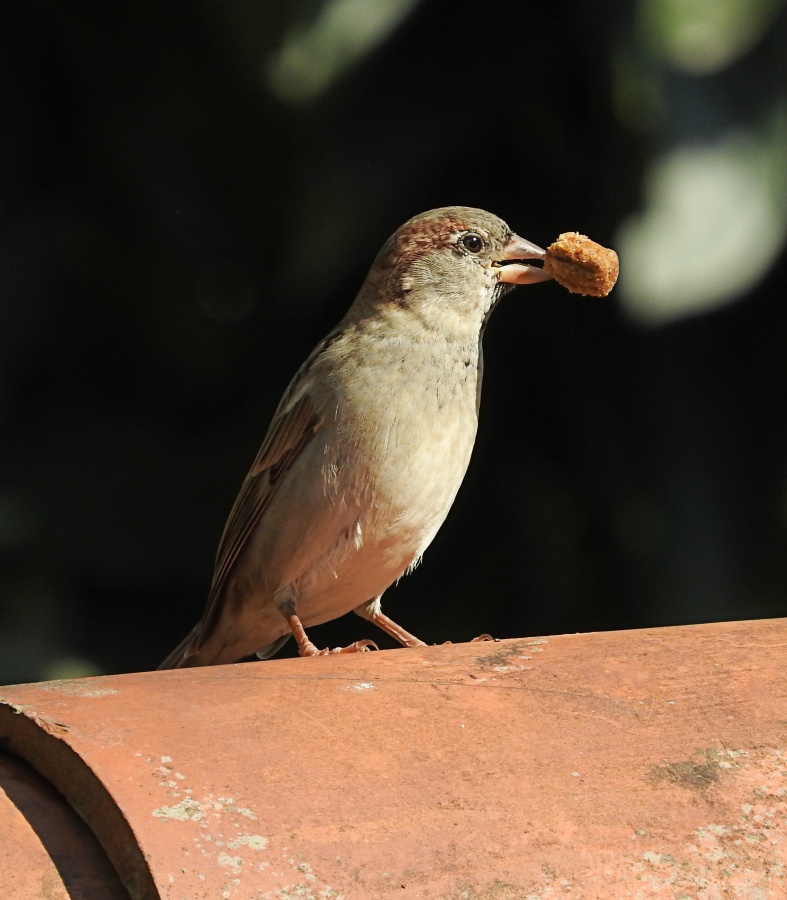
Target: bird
{"type": "Point", "coordinates": [368, 446]}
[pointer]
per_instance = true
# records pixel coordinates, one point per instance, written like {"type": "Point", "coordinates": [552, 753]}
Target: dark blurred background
{"type": "Point", "coordinates": [190, 195]}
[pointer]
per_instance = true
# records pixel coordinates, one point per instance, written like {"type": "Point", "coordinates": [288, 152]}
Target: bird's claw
{"type": "Point", "coordinates": [475, 640]}
{"type": "Point", "coordinates": [357, 647]}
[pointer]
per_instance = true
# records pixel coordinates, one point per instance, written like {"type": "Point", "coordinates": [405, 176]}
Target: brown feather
{"type": "Point", "coordinates": [289, 433]}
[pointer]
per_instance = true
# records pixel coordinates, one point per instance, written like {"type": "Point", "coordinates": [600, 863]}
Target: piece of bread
{"type": "Point", "coordinates": [582, 266]}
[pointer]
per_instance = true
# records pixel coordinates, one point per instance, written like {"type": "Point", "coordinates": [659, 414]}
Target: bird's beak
{"type": "Point", "coordinates": [511, 266]}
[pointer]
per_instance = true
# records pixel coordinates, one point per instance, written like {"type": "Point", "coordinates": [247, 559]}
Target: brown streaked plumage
{"type": "Point", "coordinates": [368, 446]}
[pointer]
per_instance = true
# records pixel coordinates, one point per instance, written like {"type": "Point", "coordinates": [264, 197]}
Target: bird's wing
{"type": "Point", "coordinates": [289, 433]}
{"type": "Point", "coordinates": [294, 424]}
{"type": "Point", "coordinates": [293, 427]}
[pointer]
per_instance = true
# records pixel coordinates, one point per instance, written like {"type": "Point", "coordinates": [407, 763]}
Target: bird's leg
{"type": "Point", "coordinates": [307, 648]}
{"type": "Point", "coordinates": [372, 613]}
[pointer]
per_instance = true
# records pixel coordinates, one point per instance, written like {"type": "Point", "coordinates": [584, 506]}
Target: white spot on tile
{"type": "Point", "coordinates": [186, 809]}
{"type": "Point", "coordinates": [254, 841]}
{"type": "Point", "coordinates": [360, 686]}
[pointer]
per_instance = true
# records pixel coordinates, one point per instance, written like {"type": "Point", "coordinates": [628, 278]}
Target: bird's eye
{"type": "Point", "coordinates": [472, 242]}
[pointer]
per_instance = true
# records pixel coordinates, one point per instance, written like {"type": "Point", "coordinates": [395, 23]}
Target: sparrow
{"type": "Point", "coordinates": [368, 446]}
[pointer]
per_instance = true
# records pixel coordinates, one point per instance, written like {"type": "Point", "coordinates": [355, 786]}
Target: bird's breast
{"type": "Point", "coordinates": [406, 440]}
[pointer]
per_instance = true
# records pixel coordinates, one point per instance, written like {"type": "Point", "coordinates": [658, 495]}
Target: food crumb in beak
{"type": "Point", "coordinates": [582, 266]}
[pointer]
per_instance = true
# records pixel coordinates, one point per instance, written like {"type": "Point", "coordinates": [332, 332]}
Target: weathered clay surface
{"type": "Point", "coordinates": [620, 765]}
{"type": "Point", "coordinates": [26, 869]}
{"type": "Point", "coordinates": [46, 851]}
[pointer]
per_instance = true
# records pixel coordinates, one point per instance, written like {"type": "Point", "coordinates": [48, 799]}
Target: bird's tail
{"type": "Point", "coordinates": [179, 657]}
{"type": "Point", "coordinates": [190, 653]}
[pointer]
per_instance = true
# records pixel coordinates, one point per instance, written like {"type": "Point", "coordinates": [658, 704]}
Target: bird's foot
{"type": "Point", "coordinates": [357, 647]}
{"type": "Point", "coordinates": [369, 612]}
{"type": "Point", "coordinates": [307, 648]}
{"type": "Point", "coordinates": [475, 640]}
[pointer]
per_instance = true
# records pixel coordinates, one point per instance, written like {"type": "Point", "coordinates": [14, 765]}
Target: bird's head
{"type": "Point", "coordinates": [451, 265]}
